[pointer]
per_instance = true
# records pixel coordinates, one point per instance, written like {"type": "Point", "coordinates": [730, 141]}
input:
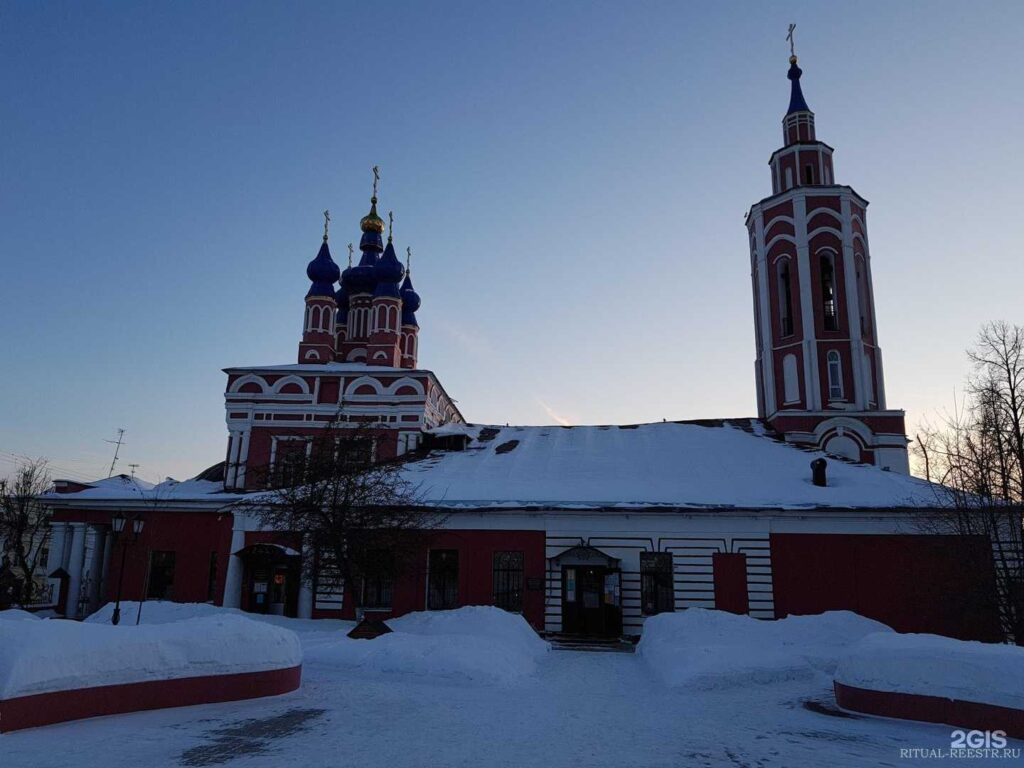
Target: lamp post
{"type": "Point", "coordinates": [120, 523]}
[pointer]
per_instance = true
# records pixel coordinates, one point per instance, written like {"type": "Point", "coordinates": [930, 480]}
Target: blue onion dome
{"type": "Point", "coordinates": [389, 272]}
{"type": "Point", "coordinates": [323, 272]}
{"type": "Point", "coordinates": [410, 302]}
{"type": "Point", "coordinates": [362, 277]}
{"type": "Point", "coordinates": [797, 103]}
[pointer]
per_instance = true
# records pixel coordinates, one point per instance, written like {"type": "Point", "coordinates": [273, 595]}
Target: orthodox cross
{"type": "Point", "coordinates": [408, 259]}
{"type": "Point", "coordinates": [327, 221]}
{"type": "Point", "coordinates": [391, 222]}
{"type": "Point", "coordinates": [350, 250]}
{"type": "Point", "coordinates": [789, 39]}
{"type": "Point", "coordinates": [376, 178]}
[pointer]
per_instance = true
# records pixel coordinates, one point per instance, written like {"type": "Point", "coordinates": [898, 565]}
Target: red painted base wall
{"type": "Point", "coordinates": [914, 583]}
{"type": "Point", "coordinates": [61, 706]}
{"type": "Point", "coordinates": [931, 709]}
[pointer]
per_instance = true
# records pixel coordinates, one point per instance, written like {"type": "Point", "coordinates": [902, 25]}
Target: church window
{"type": "Point", "coordinates": [828, 293]}
{"type": "Point", "coordinates": [657, 590]}
{"type": "Point", "coordinates": [507, 581]}
{"type": "Point", "coordinates": [808, 174]}
{"type": "Point", "coordinates": [835, 376]}
{"type": "Point", "coordinates": [161, 575]}
{"type": "Point", "coordinates": [789, 178]}
{"type": "Point", "coordinates": [443, 580]}
{"type": "Point", "coordinates": [785, 298]}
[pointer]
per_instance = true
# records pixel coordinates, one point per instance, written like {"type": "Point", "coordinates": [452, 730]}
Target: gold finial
{"type": "Point", "coordinates": [350, 250]}
{"type": "Point", "coordinates": [792, 44]}
{"type": "Point", "coordinates": [408, 260]}
{"type": "Point", "coordinates": [391, 223]}
{"type": "Point", "coordinates": [376, 178]}
{"type": "Point", "coordinates": [327, 221]}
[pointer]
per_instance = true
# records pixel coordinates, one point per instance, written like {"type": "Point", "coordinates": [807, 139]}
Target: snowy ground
{"type": "Point", "coordinates": [593, 709]}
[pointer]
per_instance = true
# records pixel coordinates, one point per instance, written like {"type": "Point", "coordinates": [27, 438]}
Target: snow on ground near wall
{"type": "Point", "coordinates": [16, 614]}
{"type": "Point", "coordinates": [936, 666]}
{"type": "Point", "coordinates": [47, 656]}
{"type": "Point", "coordinates": [706, 649]}
{"type": "Point", "coordinates": [476, 642]}
{"type": "Point", "coordinates": [164, 612]}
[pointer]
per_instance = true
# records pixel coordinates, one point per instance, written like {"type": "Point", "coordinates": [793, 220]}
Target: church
{"type": "Point", "coordinates": [584, 530]}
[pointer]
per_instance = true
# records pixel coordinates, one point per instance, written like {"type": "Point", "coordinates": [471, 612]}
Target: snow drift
{"type": "Point", "coordinates": [931, 665]}
{"type": "Point", "coordinates": [16, 614]}
{"type": "Point", "coordinates": [475, 642]}
{"type": "Point", "coordinates": [708, 649]}
{"type": "Point", "coordinates": [47, 656]}
{"type": "Point", "coordinates": [165, 612]}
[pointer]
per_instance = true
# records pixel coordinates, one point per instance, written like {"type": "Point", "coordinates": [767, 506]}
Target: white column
{"type": "Point", "coordinates": [812, 381]}
{"type": "Point", "coordinates": [853, 309]}
{"type": "Point", "coordinates": [108, 548]}
{"type": "Point", "coordinates": [305, 610]}
{"type": "Point", "coordinates": [76, 560]}
{"type": "Point", "coordinates": [58, 536]}
{"type": "Point", "coordinates": [243, 458]}
{"type": "Point", "coordinates": [233, 579]}
{"type": "Point", "coordinates": [96, 566]}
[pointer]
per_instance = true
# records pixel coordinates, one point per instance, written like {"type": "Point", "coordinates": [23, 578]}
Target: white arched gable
{"type": "Point", "coordinates": [845, 425]}
{"type": "Point", "coordinates": [248, 379]}
{"type": "Point", "coordinates": [406, 382]}
{"type": "Point", "coordinates": [820, 230]}
{"type": "Point", "coordinates": [355, 384]}
{"type": "Point", "coordinates": [828, 211]}
{"type": "Point", "coordinates": [312, 354]}
{"type": "Point", "coordinates": [783, 237]}
{"type": "Point", "coordinates": [291, 379]}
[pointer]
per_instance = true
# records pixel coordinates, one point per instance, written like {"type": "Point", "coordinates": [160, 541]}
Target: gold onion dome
{"type": "Point", "coordinates": [371, 222]}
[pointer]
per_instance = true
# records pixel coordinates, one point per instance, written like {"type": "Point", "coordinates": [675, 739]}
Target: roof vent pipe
{"type": "Point", "coordinates": [818, 472]}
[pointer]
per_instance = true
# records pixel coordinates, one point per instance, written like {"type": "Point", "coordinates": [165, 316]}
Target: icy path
{"type": "Point", "coordinates": [583, 709]}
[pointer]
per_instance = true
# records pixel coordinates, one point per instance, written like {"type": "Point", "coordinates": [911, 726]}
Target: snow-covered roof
{"type": "Point", "coordinates": [133, 489]}
{"type": "Point", "coordinates": [734, 464]}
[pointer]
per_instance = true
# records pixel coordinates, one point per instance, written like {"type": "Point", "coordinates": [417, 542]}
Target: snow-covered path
{"type": "Point", "coordinates": [582, 709]}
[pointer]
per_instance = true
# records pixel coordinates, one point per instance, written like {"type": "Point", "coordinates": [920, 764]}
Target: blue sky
{"type": "Point", "coordinates": [572, 178]}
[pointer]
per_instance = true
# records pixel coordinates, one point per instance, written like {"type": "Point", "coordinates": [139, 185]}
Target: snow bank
{"type": "Point", "coordinates": [16, 614]}
{"type": "Point", "coordinates": [476, 642]}
{"type": "Point", "coordinates": [48, 656]}
{"type": "Point", "coordinates": [930, 665]}
{"type": "Point", "coordinates": [708, 649]}
{"type": "Point", "coordinates": [165, 612]}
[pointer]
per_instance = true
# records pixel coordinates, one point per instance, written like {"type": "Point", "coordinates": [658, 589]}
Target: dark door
{"type": "Point", "coordinates": [590, 601]}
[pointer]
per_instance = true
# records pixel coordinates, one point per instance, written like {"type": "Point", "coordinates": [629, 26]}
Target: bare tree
{"type": "Point", "coordinates": [978, 455]}
{"type": "Point", "coordinates": [24, 529]}
{"type": "Point", "coordinates": [360, 518]}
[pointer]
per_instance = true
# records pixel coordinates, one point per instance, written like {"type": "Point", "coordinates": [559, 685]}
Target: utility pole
{"type": "Point", "coordinates": [117, 449]}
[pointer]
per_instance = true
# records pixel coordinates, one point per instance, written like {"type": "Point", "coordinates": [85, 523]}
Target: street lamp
{"type": "Point", "coordinates": [119, 523]}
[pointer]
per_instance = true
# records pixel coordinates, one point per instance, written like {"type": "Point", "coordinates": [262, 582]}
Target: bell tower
{"type": "Point", "coordinates": [818, 365]}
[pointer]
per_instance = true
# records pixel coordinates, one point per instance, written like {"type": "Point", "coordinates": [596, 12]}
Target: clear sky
{"type": "Point", "coordinates": [572, 178]}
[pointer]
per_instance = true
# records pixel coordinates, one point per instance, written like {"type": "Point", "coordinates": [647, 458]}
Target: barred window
{"type": "Point", "coordinates": [443, 582]}
{"type": "Point", "coordinates": [507, 581]}
{"type": "Point", "coordinates": [378, 580]}
{"type": "Point", "coordinates": [657, 592]}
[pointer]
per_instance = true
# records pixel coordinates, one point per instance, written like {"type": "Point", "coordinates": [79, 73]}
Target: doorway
{"type": "Point", "coordinates": [272, 575]}
{"type": "Point", "coordinates": [591, 601]}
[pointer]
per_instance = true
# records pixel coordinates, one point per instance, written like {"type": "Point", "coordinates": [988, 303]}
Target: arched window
{"type": "Point", "coordinates": [835, 375]}
{"type": "Point", "coordinates": [785, 297]}
{"type": "Point", "coordinates": [862, 295]}
{"type": "Point", "coordinates": [828, 293]}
